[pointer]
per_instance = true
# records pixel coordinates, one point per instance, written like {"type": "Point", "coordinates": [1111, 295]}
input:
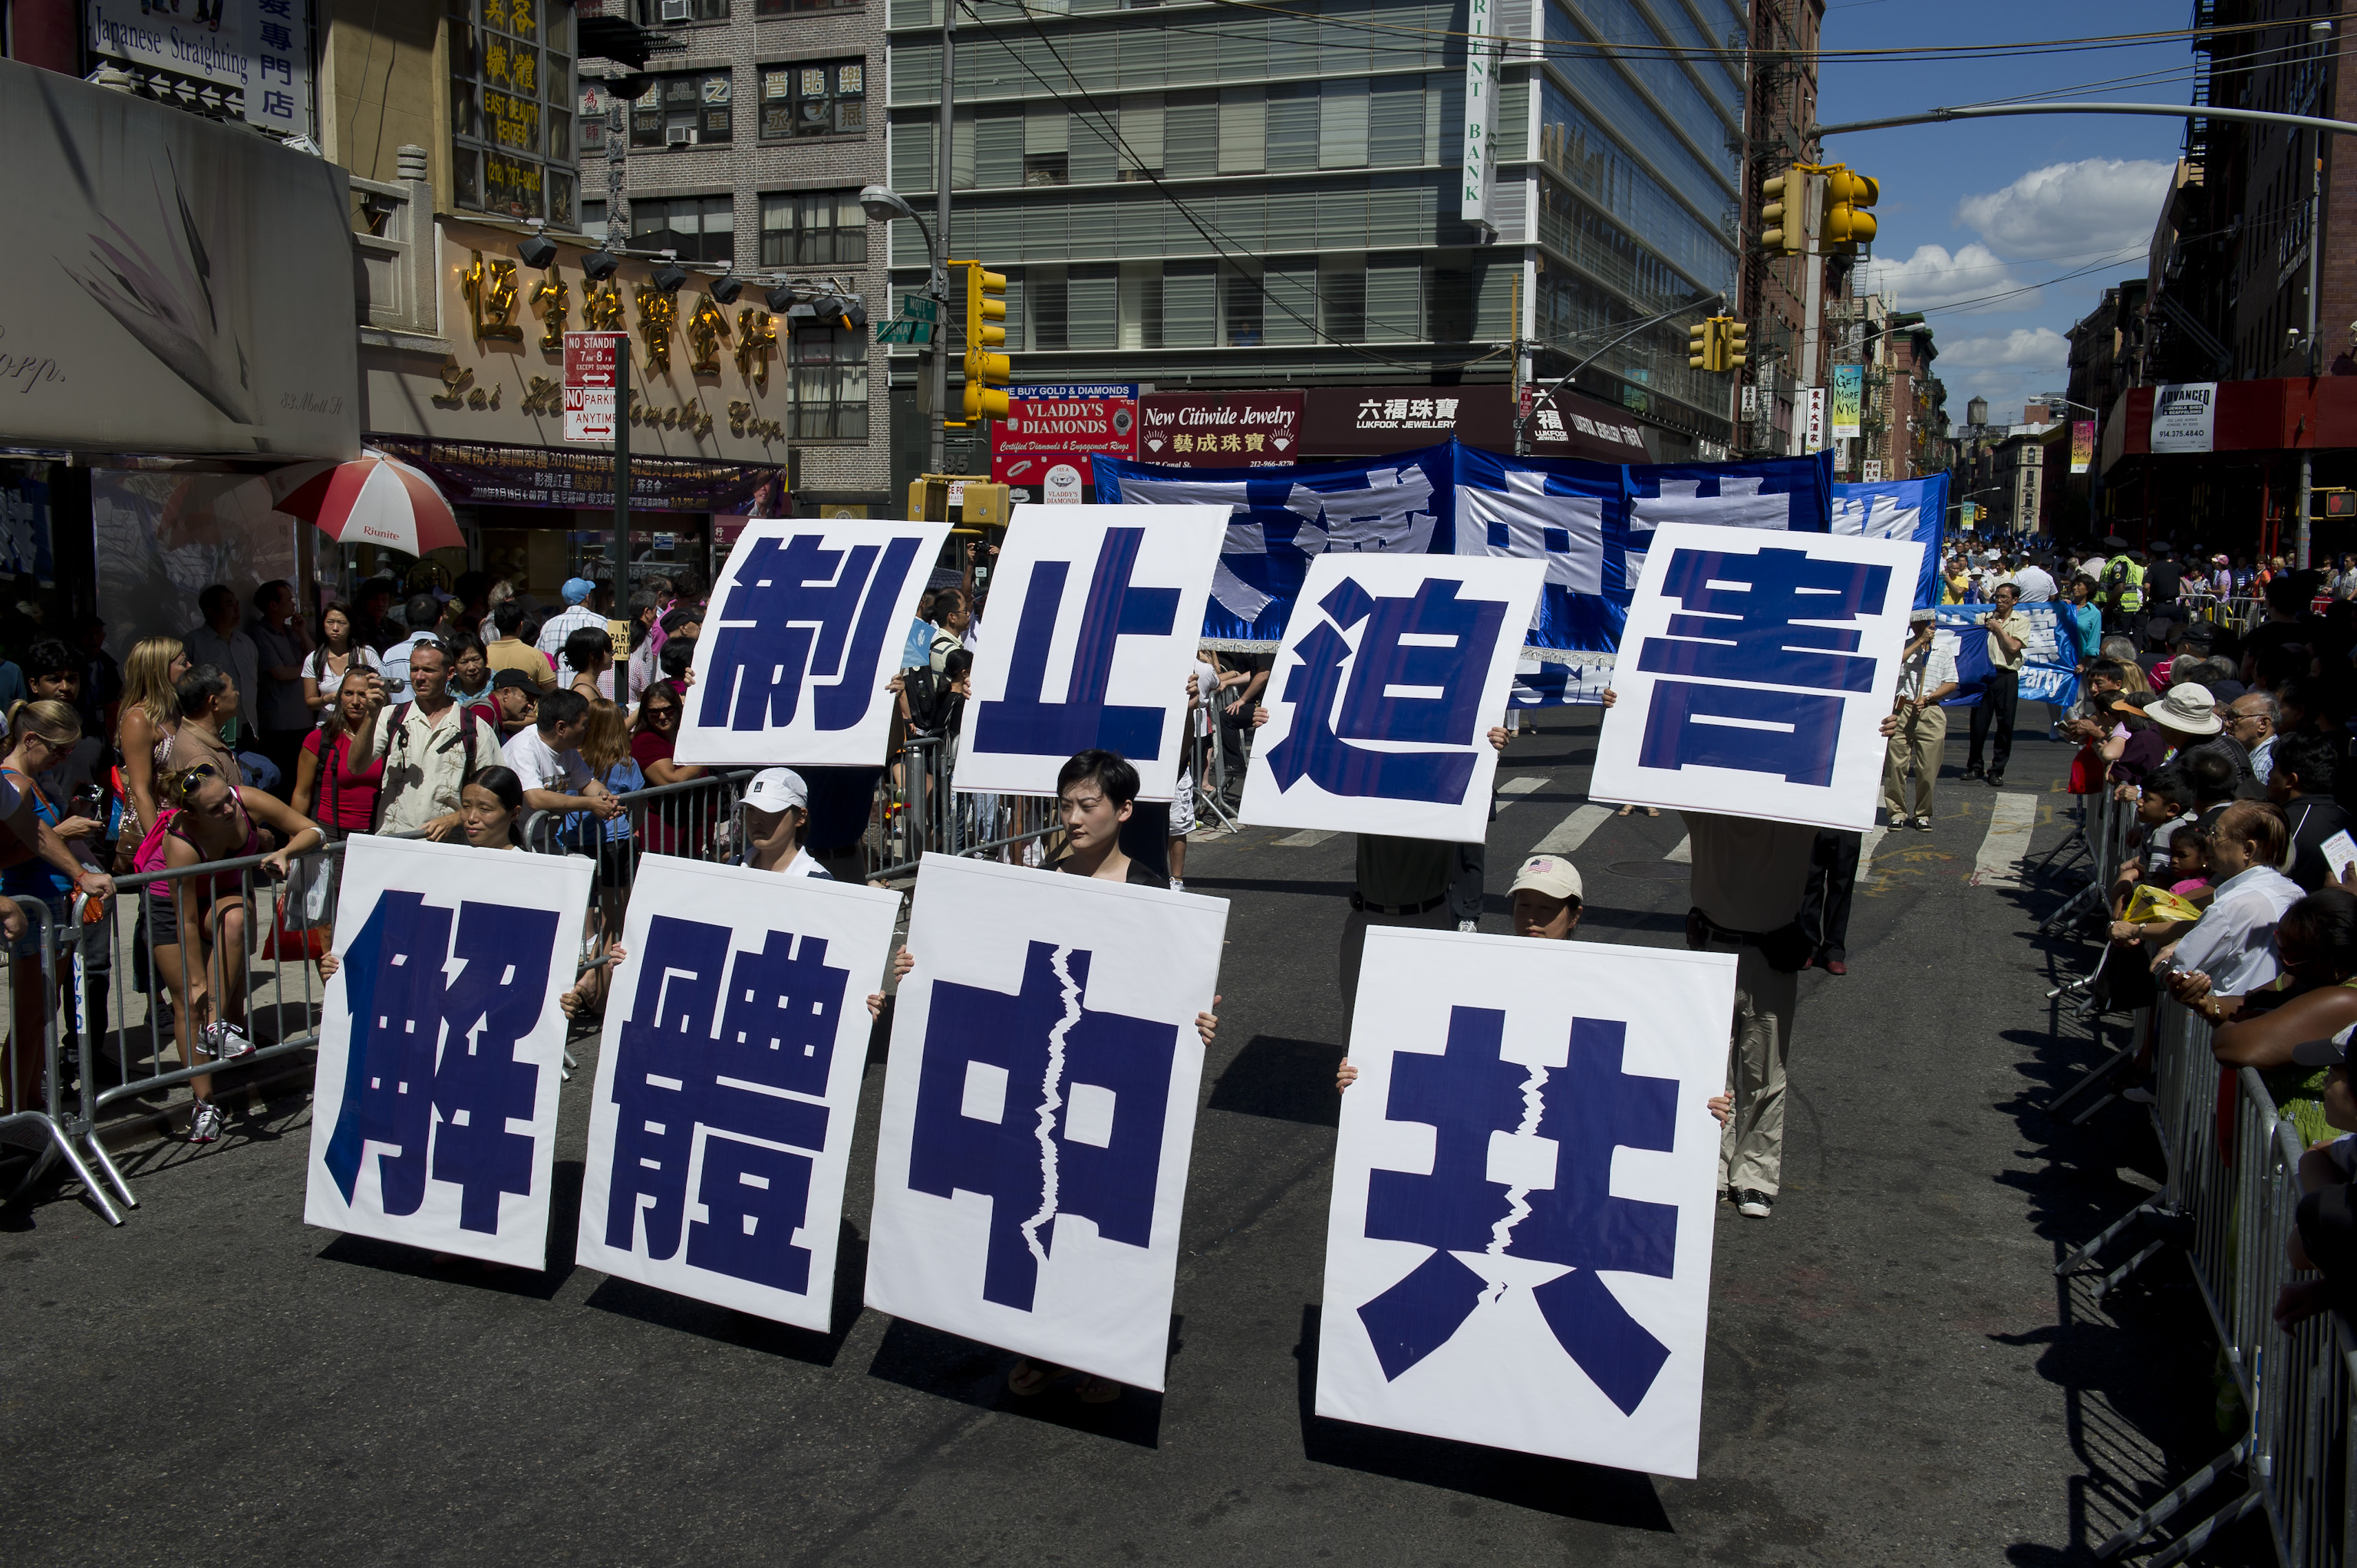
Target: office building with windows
{"type": "Point", "coordinates": [745, 142]}
{"type": "Point", "coordinates": [1200, 195]}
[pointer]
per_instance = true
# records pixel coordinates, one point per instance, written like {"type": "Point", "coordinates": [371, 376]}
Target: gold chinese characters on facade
{"type": "Point", "coordinates": [491, 291]}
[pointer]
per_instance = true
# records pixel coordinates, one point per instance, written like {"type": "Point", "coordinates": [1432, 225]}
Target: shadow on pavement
{"type": "Point", "coordinates": [1596, 1493]}
{"type": "Point", "coordinates": [953, 1367]}
{"type": "Point", "coordinates": [1286, 1080]}
{"type": "Point", "coordinates": [726, 1326]}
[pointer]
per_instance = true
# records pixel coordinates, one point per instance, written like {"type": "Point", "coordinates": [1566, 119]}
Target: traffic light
{"type": "Point", "coordinates": [1847, 227]}
{"type": "Point", "coordinates": [1780, 218]}
{"type": "Point", "coordinates": [1702, 344]}
{"type": "Point", "coordinates": [1734, 343]}
{"type": "Point", "coordinates": [986, 373]}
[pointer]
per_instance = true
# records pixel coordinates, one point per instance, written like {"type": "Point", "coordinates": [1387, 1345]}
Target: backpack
{"type": "Point", "coordinates": [467, 725]}
{"type": "Point", "coordinates": [932, 703]}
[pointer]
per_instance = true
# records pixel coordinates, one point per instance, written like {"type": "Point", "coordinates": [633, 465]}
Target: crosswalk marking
{"type": "Point", "coordinates": [1573, 831]}
{"type": "Point", "coordinates": [1683, 853]}
{"type": "Point", "coordinates": [1865, 854]}
{"type": "Point", "coordinates": [1998, 864]}
{"type": "Point", "coordinates": [1305, 838]}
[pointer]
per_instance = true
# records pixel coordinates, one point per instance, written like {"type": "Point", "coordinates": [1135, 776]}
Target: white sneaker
{"type": "Point", "coordinates": [1177, 885]}
{"type": "Point", "coordinates": [1752, 1203]}
{"type": "Point", "coordinates": [206, 1126]}
{"type": "Point", "coordinates": [1469, 925]}
{"type": "Point", "coordinates": [226, 1042]}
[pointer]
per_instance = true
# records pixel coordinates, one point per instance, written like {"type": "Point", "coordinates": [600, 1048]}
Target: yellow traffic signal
{"type": "Point", "coordinates": [986, 373]}
{"type": "Point", "coordinates": [1702, 344]}
{"type": "Point", "coordinates": [1780, 217]}
{"type": "Point", "coordinates": [1847, 227]}
{"type": "Point", "coordinates": [1734, 343]}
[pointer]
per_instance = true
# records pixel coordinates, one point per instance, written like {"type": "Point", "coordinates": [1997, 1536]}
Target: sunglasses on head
{"type": "Point", "coordinates": [196, 776]}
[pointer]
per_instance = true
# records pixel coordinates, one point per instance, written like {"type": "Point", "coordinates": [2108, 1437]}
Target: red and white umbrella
{"type": "Point", "coordinates": [373, 500]}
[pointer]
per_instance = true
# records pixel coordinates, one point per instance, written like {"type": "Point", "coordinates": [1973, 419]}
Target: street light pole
{"type": "Point", "coordinates": [2320, 35]}
{"type": "Point", "coordinates": [882, 205]}
{"type": "Point", "coordinates": [941, 224]}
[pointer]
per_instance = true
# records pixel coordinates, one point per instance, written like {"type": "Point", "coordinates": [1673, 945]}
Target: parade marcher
{"type": "Point", "coordinates": [2008, 634]}
{"type": "Point", "coordinates": [1927, 676]}
{"type": "Point", "coordinates": [1824, 909]}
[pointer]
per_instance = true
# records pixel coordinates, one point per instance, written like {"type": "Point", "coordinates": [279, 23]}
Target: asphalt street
{"type": "Point", "coordinates": [1895, 1376]}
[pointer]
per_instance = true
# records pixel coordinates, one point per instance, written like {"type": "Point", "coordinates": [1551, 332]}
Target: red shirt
{"type": "Point", "coordinates": [343, 799]}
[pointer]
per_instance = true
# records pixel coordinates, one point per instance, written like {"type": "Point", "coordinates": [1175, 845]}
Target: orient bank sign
{"type": "Point", "coordinates": [1221, 430]}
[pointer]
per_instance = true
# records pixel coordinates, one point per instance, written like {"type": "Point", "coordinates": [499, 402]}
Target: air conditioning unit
{"type": "Point", "coordinates": [675, 10]}
{"type": "Point", "coordinates": [680, 136]}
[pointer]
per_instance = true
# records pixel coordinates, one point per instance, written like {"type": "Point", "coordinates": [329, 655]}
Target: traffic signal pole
{"type": "Point", "coordinates": [939, 286]}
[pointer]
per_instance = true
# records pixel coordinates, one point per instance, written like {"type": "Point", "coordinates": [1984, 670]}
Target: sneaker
{"type": "Point", "coordinates": [206, 1128]}
{"type": "Point", "coordinates": [2139, 1095]}
{"type": "Point", "coordinates": [1923, 822]}
{"type": "Point", "coordinates": [1177, 885]}
{"type": "Point", "coordinates": [1469, 925]}
{"type": "Point", "coordinates": [226, 1042]}
{"type": "Point", "coordinates": [1752, 1203]}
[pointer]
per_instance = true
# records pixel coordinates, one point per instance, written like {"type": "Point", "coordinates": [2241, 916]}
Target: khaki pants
{"type": "Point", "coordinates": [1751, 1149]}
{"type": "Point", "coordinates": [1354, 946]}
{"type": "Point", "coordinates": [1921, 741]}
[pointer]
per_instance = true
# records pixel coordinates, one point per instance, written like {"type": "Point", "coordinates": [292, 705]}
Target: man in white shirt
{"type": "Point", "coordinates": [547, 758]}
{"type": "Point", "coordinates": [423, 614]}
{"type": "Point", "coordinates": [2231, 951]}
{"type": "Point", "coordinates": [1927, 676]}
{"type": "Point", "coordinates": [431, 746]}
{"type": "Point", "coordinates": [2036, 584]}
{"type": "Point", "coordinates": [2251, 720]}
{"type": "Point", "coordinates": [580, 609]}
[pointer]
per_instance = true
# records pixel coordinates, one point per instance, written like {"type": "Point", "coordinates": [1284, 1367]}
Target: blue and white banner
{"type": "Point", "coordinates": [727, 1082]}
{"type": "Point", "coordinates": [2049, 672]}
{"type": "Point", "coordinates": [1543, 683]}
{"type": "Point", "coordinates": [1389, 678]}
{"type": "Point", "coordinates": [806, 628]}
{"type": "Point", "coordinates": [1518, 1248]}
{"type": "Point", "coordinates": [433, 1117]}
{"type": "Point", "coordinates": [1280, 520]}
{"type": "Point", "coordinates": [1901, 509]}
{"type": "Point", "coordinates": [1094, 611]}
{"type": "Point", "coordinates": [1038, 1111]}
{"type": "Point", "coordinates": [1756, 674]}
{"type": "Point", "coordinates": [1590, 522]}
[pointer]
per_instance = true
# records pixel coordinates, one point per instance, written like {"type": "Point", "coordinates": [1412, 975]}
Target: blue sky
{"type": "Point", "coordinates": [1971, 209]}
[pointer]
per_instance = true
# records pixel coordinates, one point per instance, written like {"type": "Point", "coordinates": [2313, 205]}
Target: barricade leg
{"type": "Point", "coordinates": [2164, 1510]}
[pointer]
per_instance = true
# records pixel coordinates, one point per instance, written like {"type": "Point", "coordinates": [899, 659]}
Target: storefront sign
{"type": "Point", "coordinates": [1482, 82]}
{"type": "Point", "coordinates": [176, 298]}
{"type": "Point", "coordinates": [1060, 422]}
{"type": "Point", "coordinates": [1813, 435]}
{"type": "Point", "coordinates": [590, 359]}
{"type": "Point", "coordinates": [1220, 430]}
{"type": "Point", "coordinates": [262, 47]}
{"type": "Point", "coordinates": [1350, 422]}
{"type": "Point", "coordinates": [561, 476]}
{"type": "Point", "coordinates": [2082, 445]}
{"type": "Point", "coordinates": [2184, 416]}
{"type": "Point", "coordinates": [1849, 400]}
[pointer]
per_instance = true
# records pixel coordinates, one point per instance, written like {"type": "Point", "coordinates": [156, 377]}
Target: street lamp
{"type": "Point", "coordinates": [882, 205]}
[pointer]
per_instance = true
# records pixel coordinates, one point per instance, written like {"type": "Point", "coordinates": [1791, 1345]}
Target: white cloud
{"type": "Point", "coordinates": [2039, 349]}
{"type": "Point", "coordinates": [1933, 277]}
{"type": "Point", "coordinates": [2069, 209]}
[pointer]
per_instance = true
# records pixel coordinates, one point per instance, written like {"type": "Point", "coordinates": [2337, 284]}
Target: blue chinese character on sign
{"type": "Point", "coordinates": [1044, 1106]}
{"type": "Point", "coordinates": [433, 1055]}
{"type": "Point", "coordinates": [278, 105]}
{"type": "Point", "coordinates": [798, 614]}
{"type": "Point", "coordinates": [1025, 721]}
{"type": "Point", "coordinates": [275, 37]}
{"type": "Point", "coordinates": [755, 1080]}
{"type": "Point", "coordinates": [279, 66]}
{"type": "Point", "coordinates": [1585, 1109]}
{"type": "Point", "coordinates": [1416, 676]}
{"type": "Point", "coordinates": [1750, 618]}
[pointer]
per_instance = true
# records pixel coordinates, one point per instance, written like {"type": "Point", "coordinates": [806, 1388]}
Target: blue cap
{"type": "Point", "coordinates": [578, 589]}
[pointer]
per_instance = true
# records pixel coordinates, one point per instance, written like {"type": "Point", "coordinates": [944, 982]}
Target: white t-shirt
{"type": "Point", "coordinates": [1207, 696]}
{"type": "Point", "coordinates": [541, 766]}
{"type": "Point", "coordinates": [2037, 586]}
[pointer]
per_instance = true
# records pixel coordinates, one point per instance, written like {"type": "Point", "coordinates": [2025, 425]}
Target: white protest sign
{"type": "Point", "coordinates": [1096, 613]}
{"type": "Point", "coordinates": [2339, 850]}
{"type": "Point", "coordinates": [434, 1118]}
{"type": "Point", "coordinates": [1391, 671]}
{"type": "Point", "coordinates": [807, 627]}
{"type": "Point", "coordinates": [1518, 1250]}
{"type": "Point", "coordinates": [1755, 673]}
{"type": "Point", "coordinates": [1038, 1110]}
{"type": "Point", "coordinates": [727, 1081]}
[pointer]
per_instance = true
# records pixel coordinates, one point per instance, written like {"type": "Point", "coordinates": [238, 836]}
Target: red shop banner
{"type": "Point", "coordinates": [1074, 422]}
{"type": "Point", "coordinates": [1221, 430]}
{"type": "Point", "coordinates": [1045, 476]}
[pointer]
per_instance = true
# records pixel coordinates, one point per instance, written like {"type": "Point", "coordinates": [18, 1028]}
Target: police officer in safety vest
{"type": "Point", "coordinates": [2123, 585]}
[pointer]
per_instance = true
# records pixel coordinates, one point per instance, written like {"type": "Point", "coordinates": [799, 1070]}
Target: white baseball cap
{"type": "Point", "coordinates": [1549, 874]}
{"type": "Point", "coordinates": [775, 788]}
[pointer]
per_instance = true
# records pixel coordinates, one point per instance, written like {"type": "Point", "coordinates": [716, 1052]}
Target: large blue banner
{"type": "Point", "coordinates": [2049, 671]}
{"type": "Point", "coordinates": [1590, 522]}
{"type": "Point", "coordinates": [1901, 508]}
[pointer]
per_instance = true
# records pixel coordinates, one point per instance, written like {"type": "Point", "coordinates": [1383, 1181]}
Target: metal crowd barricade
{"type": "Point", "coordinates": [2232, 1209]}
{"type": "Point", "coordinates": [33, 1100]}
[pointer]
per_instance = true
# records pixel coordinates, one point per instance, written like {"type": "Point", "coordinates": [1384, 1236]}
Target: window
{"type": "Point", "coordinates": [780, 7]}
{"type": "Point", "coordinates": [1245, 308]}
{"type": "Point", "coordinates": [512, 108]}
{"type": "Point", "coordinates": [700, 227]}
{"type": "Point", "coordinates": [593, 220]}
{"type": "Point", "coordinates": [1046, 301]}
{"type": "Point", "coordinates": [813, 229]}
{"type": "Point", "coordinates": [686, 111]}
{"type": "Point", "coordinates": [653, 11]}
{"type": "Point", "coordinates": [830, 383]}
{"type": "Point", "coordinates": [824, 99]}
